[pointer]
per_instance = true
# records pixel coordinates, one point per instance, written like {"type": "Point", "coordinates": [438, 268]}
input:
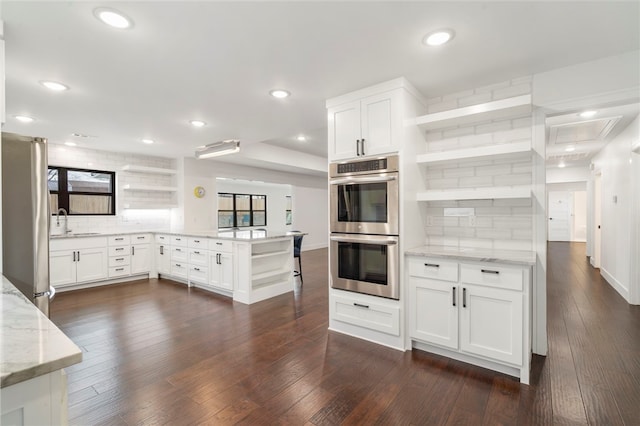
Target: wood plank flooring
{"type": "Point", "coordinates": [156, 352]}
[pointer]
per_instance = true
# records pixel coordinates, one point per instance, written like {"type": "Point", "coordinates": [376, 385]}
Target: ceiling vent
{"type": "Point", "coordinates": [582, 131]}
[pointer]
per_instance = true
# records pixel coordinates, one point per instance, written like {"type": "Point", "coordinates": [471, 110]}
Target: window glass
{"type": "Point", "coordinates": [89, 181]}
{"type": "Point", "coordinates": [82, 192]}
{"type": "Point", "coordinates": [241, 210]}
{"type": "Point", "coordinates": [288, 214]}
{"type": "Point", "coordinates": [89, 204]}
{"type": "Point", "coordinates": [53, 179]}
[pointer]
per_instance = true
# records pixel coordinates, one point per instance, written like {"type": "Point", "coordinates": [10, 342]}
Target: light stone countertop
{"type": "Point", "coordinates": [242, 235]}
{"type": "Point", "coordinates": [516, 257]}
{"type": "Point", "coordinates": [30, 344]}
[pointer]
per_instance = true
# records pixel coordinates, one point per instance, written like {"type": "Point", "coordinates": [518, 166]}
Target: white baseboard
{"type": "Point", "coordinates": [624, 292]}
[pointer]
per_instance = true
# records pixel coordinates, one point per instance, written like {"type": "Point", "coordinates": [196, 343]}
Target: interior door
{"type": "Point", "coordinates": [560, 205]}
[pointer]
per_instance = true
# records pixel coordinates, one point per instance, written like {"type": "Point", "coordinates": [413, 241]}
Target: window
{"type": "Point", "coordinates": [288, 215]}
{"type": "Point", "coordinates": [241, 210]}
{"type": "Point", "coordinates": [81, 191]}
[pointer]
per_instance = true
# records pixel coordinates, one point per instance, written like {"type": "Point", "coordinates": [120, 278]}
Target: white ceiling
{"type": "Point", "coordinates": [217, 61]}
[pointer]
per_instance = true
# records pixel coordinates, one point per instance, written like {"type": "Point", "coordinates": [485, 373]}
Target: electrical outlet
{"type": "Point", "coordinates": [472, 221]}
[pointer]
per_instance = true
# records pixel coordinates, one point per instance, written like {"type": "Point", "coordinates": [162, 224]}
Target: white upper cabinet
{"type": "Point", "coordinates": [369, 126]}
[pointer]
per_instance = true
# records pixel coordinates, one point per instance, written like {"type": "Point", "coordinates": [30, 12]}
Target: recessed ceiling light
{"type": "Point", "coordinates": [113, 18]}
{"type": "Point", "coordinates": [54, 85]}
{"type": "Point", "coordinates": [561, 165]}
{"type": "Point", "coordinates": [148, 141]}
{"type": "Point", "coordinates": [301, 138]}
{"type": "Point", "coordinates": [70, 143]}
{"type": "Point", "coordinates": [439, 37]}
{"type": "Point", "coordinates": [279, 93]}
{"type": "Point", "coordinates": [588, 114]}
{"type": "Point", "coordinates": [570, 148]}
{"type": "Point", "coordinates": [197, 123]}
{"type": "Point", "coordinates": [24, 118]}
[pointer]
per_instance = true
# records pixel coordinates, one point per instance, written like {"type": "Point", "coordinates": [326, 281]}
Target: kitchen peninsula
{"type": "Point", "coordinates": [33, 353]}
{"type": "Point", "coordinates": [247, 265]}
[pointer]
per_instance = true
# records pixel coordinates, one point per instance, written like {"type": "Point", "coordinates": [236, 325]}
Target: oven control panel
{"type": "Point", "coordinates": [374, 165]}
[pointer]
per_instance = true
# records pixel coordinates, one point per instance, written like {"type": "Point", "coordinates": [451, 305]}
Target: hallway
{"type": "Point", "coordinates": [592, 371]}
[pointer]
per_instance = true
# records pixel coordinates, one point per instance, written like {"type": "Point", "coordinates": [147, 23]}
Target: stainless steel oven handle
{"type": "Point", "coordinates": [363, 241]}
{"type": "Point", "coordinates": [355, 180]}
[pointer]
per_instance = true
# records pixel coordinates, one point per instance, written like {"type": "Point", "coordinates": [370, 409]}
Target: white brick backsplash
{"type": "Point", "coordinates": [507, 92]}
{"type": "Point", "coordinates": [459, 172]}
{"type": "Point", "coordinates": [515, 202]}
{"type": "Point", "coordinates": [472, 162]}
{"type": "Point", "coordinates": [451, 221]}
{"type": "Point", "coordinates": [476, 181]}
{"type": "Point", "coordinates": [476, 243]}
{"type": "Point", "coordinates": [494, 170]}
{"type": "Point", "coordinates": [522, 211]}
{"type": "Point", "coordinates": [493, 233]}
{"type": "Point", "coordinates": [493, 211]}
{"type": "Point", "coordinates": [513, 135]}
{"type": "Point", "coordinates": [459, 231]}
{"type": "Point", "coordinates": [494, 126]}
{"type": "Point", "coordinates": [458, 131]}
{"type": "Point", "coordinates": [521, 168]}
{"type": "Point", "coordinates": [522, 122]}
{"type": "Point", "coordinates": [512, 179]}
{"type": "Point", "coordinates": [442, 145]}
{"type": "Point", "coordinates": [475, 98]}
{"type": "Point", "coordinates": [522, 80]}
{"type": "Point", "coordinates": [432, 101]}
{"type": "Point", "coordinates": [522, 234]}
{"type": "Point", "coordinates": [435, 230]}
{"type": "Point", "coordinates": [484, 222]}
{"type": "Point", "coordinates": [432, 173]}
{"type": "Point", "coordinates": [442, 183]}
{"type": "Point", "coordinates": [475, 140]}
{"type": "Point", "coordinates": [433, 136]}
{"type": "Point", "coordinates": [512, 223]}
{"type": "Point", "coordinates": [513, 245]}
{"type": "Point", "coordinates": [442, 106]}
{"type": "Point", "coordinates": [476, 203]}
{"type": "Point", "coordinates": [458, 95]}
{"type": "Point", "coordinates": [491, 87]}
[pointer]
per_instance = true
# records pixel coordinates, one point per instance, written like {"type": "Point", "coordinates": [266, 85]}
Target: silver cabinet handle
{"type": "Point", "coordinates": [359, 305]}
{"type": "Point", "coordinates": [489, 271]}
{"type": "Point", "coordinates": [78, 256]}
{"type": "Point", "coordinates": [133, 250]}
{"type": "Point", "coordinates": [74, 256]}
{"type": "Point", "coordinates": [358, 147]}
{"type": "Point", "coordinates": [464, 297]}
{"type": "Point", "coordinates": [454, 296]}
{"type": "Point", "coordinates": [362, 146]}
{"type": "Point", "coordinates": [432, 265]}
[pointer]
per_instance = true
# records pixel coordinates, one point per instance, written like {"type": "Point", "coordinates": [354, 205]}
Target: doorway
{"type": "Point", "coordinates": [597, 220]}
{"type": "Point", "coordinates": [567, 215]}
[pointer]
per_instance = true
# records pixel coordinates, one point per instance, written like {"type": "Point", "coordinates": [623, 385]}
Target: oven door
{"type": "Point", "coordinates": [365, 204]}
{"type": "Point", "coordinates": [365, 264]}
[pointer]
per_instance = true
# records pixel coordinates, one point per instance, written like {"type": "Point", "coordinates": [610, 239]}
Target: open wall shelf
{"type": "Point", "coordinates": [489, 193]}
{"type": "Point", "coordinates": [475, 152]}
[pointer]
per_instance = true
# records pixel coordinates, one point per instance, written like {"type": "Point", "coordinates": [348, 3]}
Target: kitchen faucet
{"type": "Point", "coordinates": [66, 220]}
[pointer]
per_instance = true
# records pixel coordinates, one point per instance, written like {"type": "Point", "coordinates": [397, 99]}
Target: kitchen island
{"type": "Point", "coordinates": [33, 354]}
{"type": "Point", "coordinates": [247, 265]}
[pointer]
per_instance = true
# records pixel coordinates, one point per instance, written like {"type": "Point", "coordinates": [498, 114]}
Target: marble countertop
{"type": "Point", "coordinates": [241, 235]}
{"type": "Point", "coordinates": [30, 344]}
{"type": "Point", "coordinates": [516, 257]}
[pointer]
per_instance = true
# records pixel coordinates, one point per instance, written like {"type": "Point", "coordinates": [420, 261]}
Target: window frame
{"type": "Point", "coordinates": [234, 212]}
{"type": "Point", "coordinates": [64, 193]}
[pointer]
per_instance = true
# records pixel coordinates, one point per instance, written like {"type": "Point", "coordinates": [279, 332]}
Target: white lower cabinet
{"type": "Point", "coordinates": [221, 270]}
{"type": "Point", "coordinates": [479, 312]}
{"type": "Point", "coordinates": [163, 254]}
{"type": "Point", "coordinates": [74, 261]}
{"type": "Point", "coordinates": [140, 258]}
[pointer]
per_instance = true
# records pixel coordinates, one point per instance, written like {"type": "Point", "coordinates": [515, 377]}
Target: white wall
{"type": "Point", "coordinates": [568, 174]}
{"type": "Point", "coordinates": [310, 215]}
{"type": "Point", "coordinates": [617, 201]}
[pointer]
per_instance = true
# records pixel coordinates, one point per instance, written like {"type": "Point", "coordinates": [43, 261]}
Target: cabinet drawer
{"type": "Point", "coordinates": [179, 240]}
{"type": "Point", "coordinates": [492, 276]}
{"type": "Point", "coordinates": [426, 267]}
{"type": "Point", "coordinates": [119, 251]}
{"type": "Point", "coordinates": [140, 238]}
{"type": "Point", "coordinates": [179, 253]}
{"type": "Point", "coordinates": [119, 271]}
{"type": "Point", "coordinates": [198, 257]}
{"type": "Point", "coordinates": [384, 319]}
{"type": "Point", "coordinates": [119, 260]}
{"type": "Point", "coordinates": [220, 245]}
{"type": "Point", "coordinates": [118, 240]}
{"type": "Point", "coordinates": [199, 274]}
{"type": "Point", "coordinates": [161, 238]}
{"type": "Point", "coordinates": [201, 243]}
{"type": "Point", "coordinates": [179, 269]}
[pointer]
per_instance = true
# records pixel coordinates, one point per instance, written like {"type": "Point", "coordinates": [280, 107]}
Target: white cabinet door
{"type": "Point", "coordinates": [221, 270]}
{"type": "Point", "coordinates": [434, 312]}
{"type": "Point", "coordinates": [140, 258]}
{"type": "Point", "coordinates": [491, 323]}
{"type": "Point", "coordinates": [62, 267]}
{"type": "Point", "coordinates": [226, 271]}
{"type": "Point", "coordinates": [344, 131]}
{"type": "Point", "coordinates": [92, 264]}
{"type": "Point", "coordinates": [378, 124]}
{"type": "Point", "coordinates": [163, 259]}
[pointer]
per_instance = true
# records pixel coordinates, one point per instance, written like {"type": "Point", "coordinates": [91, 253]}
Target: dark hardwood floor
{"type": "Point", "coordinates": [156, 352]}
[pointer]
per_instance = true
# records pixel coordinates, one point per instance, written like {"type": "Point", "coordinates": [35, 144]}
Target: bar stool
{"type": "Point", "coordinates": [297, 247]}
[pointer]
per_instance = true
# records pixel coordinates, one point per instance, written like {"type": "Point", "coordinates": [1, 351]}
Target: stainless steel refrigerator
{"type": "Point", "coordinates": [26, 217]}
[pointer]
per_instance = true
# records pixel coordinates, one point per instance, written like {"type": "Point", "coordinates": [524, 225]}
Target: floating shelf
{"type": "Point", "coordinates": [475, 152]}
{"type": "Point", "coordinates": [489, 193]}
{"type": "Point", "coordinates": [270, 254]}
{"type": "Point", "coordinates": [504, 108]}
{"type": "Point", "coordinates": [269, 274]}
{"type": "Point", "coordinates": [149, 206]}
{"type": "Point", "coordinates": [149, 188]}
{"type": "Point", "coordinates": [151, 170]}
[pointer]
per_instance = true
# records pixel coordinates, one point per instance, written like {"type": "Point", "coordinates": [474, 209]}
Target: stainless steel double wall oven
{"type": "Point", "coordinates": [364, 203]}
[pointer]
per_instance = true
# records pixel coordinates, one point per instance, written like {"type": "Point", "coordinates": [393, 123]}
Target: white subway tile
{"type": "Point", "coordinates": [476, 181]}
{"type": "Point", "coordinates": [474, 99]}
{"type": "Point", "coordinates": [494, 126]}
{"type": "Point", "coordinates": [442, 106]}
{"type": "Point", "coordinates": [491, 87]}
{"type": "Point", "coordinates": [494, 170]}
{"type": "Point", "coordinates": [459, 172]}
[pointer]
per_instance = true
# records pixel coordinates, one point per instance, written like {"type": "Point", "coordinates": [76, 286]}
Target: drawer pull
{"type": "Point", "coordinates": [119, 269]}
{"type": "Point", "coordinates": [178, 249]}
{"type": "Point", "coordinates": [119, 239]}
{"type": "Point", "coordinates": [454, 296]}
{"type": "Point", "coordinates": [432, 265]}
{"type": "Point", "coordinates": [78, 256]}
{"type": "Point", "coordinates": [178, 239]}
{"type": "Point", "coordinates": [133, 250]}
{"type": "Point", "coordinates": [196, 241]}
{"type": "Point", "coordinates": [178, 265]}
{"type": "Point", "coordinates": [464, 297]}
{"type": "Point", "coordinates": [140, 238]}
{"type": "Point", "coordinates": [489, 271]}
{"type": "Point", "coordinates": [119, 259]}
{"type": "Point", "coordinates": [119, 248]}
{"type": "Point", "coordinates": [219, 244]}
{"type": "Point", "coordinates": [196, 269]}
{"type": "Point", "coordinates": [360, 305]}
{"type": "Point", "coordinates": [161, 249]}
{"type": "Point", "coordinates": [196, 252]}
